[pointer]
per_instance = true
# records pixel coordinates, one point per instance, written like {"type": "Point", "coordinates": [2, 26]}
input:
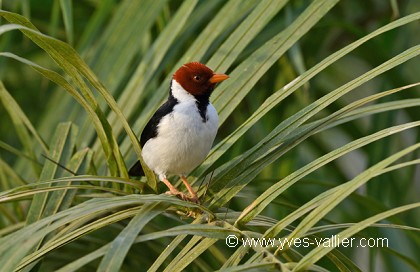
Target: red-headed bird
{"type": "Point", "coordinates": [180, 134]}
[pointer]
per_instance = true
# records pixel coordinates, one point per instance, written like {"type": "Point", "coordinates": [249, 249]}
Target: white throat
{"type": "Point", "coordinates": [180, 93]}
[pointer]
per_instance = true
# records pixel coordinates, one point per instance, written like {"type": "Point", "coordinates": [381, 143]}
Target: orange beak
{"type": "Point", "coordinates": [216, 78]}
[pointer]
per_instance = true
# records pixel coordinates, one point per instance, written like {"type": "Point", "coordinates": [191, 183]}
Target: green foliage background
{"type": "Point", "coordinates": [318, 134]}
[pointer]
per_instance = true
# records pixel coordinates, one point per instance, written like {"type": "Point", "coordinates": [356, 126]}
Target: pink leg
{"type": "Point", "coordinates": [193, 194]}
{"type": "Point", "coordinates": [172, 189]}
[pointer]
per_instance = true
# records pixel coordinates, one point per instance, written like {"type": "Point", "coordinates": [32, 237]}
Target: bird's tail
{"type": "Point", "coordinates": [136, 170]}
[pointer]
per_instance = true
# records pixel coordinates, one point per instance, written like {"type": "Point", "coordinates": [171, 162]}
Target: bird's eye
{"type": "Point", "coordinates": [197, 78]}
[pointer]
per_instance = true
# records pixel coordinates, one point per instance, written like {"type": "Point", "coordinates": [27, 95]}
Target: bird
{"type": "Point", "coordinates": [181, 132]}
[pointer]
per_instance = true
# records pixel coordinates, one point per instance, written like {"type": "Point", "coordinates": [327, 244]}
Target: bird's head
{"type": "Point", "coordinates": [198, 79]}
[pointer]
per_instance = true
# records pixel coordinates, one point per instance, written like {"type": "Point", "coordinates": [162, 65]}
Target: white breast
{"type": "Point", "coordinates": [183, 139]}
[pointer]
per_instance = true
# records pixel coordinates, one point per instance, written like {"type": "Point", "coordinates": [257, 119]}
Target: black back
{"type": "Point", "coordinates": [150, 130]}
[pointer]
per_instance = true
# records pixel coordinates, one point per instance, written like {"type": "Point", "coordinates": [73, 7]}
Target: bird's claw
{"type": "Point", "coordinates": [182, 196]}
{"type": "Point", "coordinates": [193, 199]}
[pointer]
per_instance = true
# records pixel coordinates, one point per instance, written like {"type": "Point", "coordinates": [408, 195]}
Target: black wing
{"type": "Point", "coordinates": [150, 130]}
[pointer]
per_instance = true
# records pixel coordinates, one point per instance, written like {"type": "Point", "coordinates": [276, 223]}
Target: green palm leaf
{"type": "Point", "coordinates": [321, 110]}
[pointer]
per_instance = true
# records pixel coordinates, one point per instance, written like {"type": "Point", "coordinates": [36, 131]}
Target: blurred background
{"type": "Point", "coordinates": [84, 26]}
